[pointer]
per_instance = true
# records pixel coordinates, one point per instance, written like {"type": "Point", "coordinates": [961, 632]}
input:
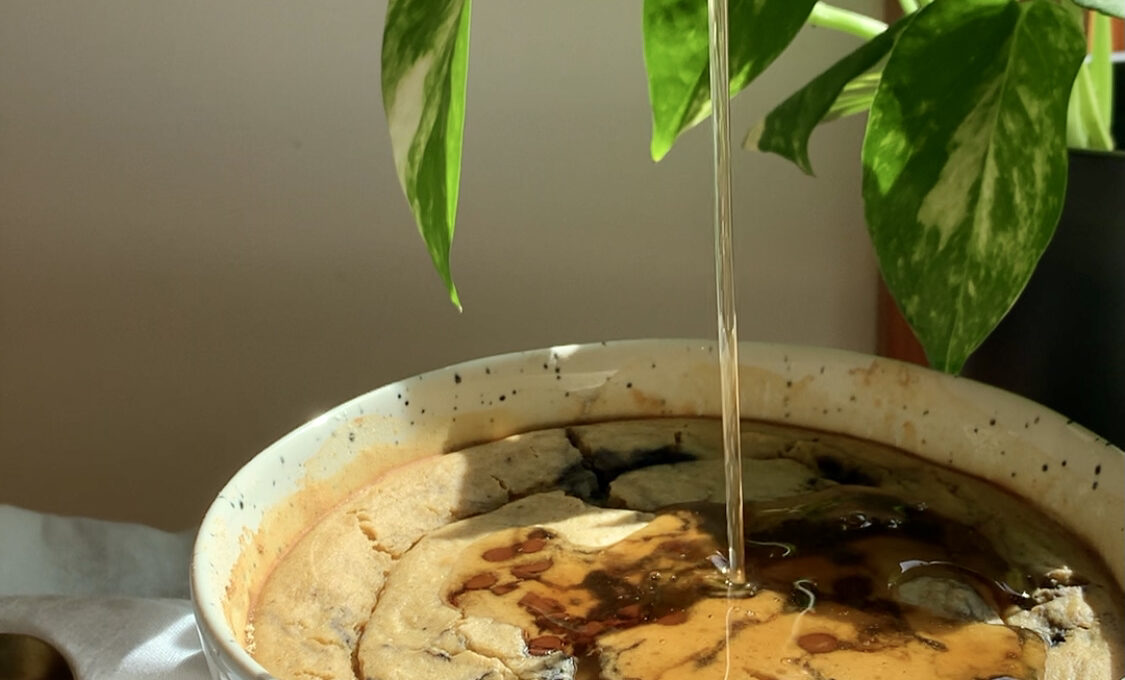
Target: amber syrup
{"type": "Point", "coordinates": [735, 569]}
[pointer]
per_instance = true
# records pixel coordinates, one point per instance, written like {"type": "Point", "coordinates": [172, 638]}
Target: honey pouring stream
{"type": "Point", "coordinates": [724, 291]}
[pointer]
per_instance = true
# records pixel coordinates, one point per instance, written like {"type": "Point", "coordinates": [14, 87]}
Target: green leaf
{"type": "Point", "coordinates": [1111, 7]}
{"type": "Point", "coordinates": [965, 162]}
{"type": "Point", "coordinates": [677, 62]}
{"type": "Point", "coordinates": [855, 98]}
{"type": "Point", "coordinates": [424, 66]}
{"type": "Point", "coordinates": [786, 130]}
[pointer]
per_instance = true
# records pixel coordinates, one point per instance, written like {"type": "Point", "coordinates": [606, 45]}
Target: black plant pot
{"type": "Point", "coordinates": [1063, 343]}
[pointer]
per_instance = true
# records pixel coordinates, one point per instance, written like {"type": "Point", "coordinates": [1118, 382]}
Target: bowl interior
{"type": "Point", "coordinates": [1063, 470]}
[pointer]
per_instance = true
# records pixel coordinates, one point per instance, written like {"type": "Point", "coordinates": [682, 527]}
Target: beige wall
{"type": "Point", "coordinates": [202, 242]}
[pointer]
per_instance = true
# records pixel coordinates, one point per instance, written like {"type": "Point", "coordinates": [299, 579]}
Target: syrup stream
{"type": "Point", "coordinates": [724, 285]}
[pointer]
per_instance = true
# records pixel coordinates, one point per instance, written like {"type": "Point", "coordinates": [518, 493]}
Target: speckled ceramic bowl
{"type": "Point", "coordinates": [1058, 467]}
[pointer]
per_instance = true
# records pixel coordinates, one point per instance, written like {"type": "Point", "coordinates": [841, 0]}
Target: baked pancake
{"type": "Point", "coordinates": [594, 552]}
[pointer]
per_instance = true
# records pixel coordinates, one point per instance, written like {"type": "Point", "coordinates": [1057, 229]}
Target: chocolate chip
{"type": "Point", "coordinates": [504, 588]}
{"type": "Point", "coordinates": [818, 643]}
{"type": "Point", "coordinates": [673, 618]}
{"type": "Point", "coordinates": [544, 644]}
{"type": "Point", "coordinates": [537, 604]}
{"type": "Point", "coordinates": [481, 581]}
{"type": "Point", "coordinates": [499, 554]}
{"type": "Point", "coordinates": [532, 545]}
{"type": "Point", "coordinates": [531, 569]}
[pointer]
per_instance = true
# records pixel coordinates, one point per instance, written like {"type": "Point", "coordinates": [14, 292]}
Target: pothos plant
{"type": "Point", "coordinates": [970, 105]}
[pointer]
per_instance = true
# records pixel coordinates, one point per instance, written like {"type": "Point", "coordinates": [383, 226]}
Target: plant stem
{"type": "Point", "coordinates": [1098, 127]}
{"type": "Point", "coordinates": [845, 20]}
{"type": "Point", "coordinates": [1089, 108]}
{"type": "Point", "coordinates": [908, 6]}
{"type": "Point", "coordinates": [1101, 68]}
{"type": "Point", "coordinates": [1077, 136]}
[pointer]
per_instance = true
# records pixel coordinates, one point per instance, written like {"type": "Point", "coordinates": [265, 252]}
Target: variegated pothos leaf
{"type": "Point", "coordinates": [677, 61]}
{"type": "Point", "coordinates": [964, 162]}
{"type": "Point", "coordinates": [424, 66]}
{"type": "Point", "coordinates": [786, 130]}
{"type": "Point", "coordinates": [1114, 8]}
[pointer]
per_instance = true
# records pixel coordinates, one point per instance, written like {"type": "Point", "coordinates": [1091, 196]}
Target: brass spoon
{"type": "Point", "coordinates": [25, 657]}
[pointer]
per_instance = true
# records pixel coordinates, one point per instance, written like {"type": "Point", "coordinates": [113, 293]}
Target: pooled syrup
{"type": "Point", "coordinates": [823, 597]}
{"type": "Point", "coordinates": [833, 569]}
{"type": "Point", "coordinates": [829, 574]}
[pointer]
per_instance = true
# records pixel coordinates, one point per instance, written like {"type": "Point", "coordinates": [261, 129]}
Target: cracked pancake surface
{"type": "Point", "coordinates": [390, 584]}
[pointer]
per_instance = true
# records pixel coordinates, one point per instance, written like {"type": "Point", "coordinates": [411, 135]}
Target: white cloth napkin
{"type": "Point", "coordinates": [112, 597]}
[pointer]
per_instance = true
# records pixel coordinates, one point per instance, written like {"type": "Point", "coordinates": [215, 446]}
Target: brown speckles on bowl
{"type": "Point", "coordinates": [1044, 461]}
